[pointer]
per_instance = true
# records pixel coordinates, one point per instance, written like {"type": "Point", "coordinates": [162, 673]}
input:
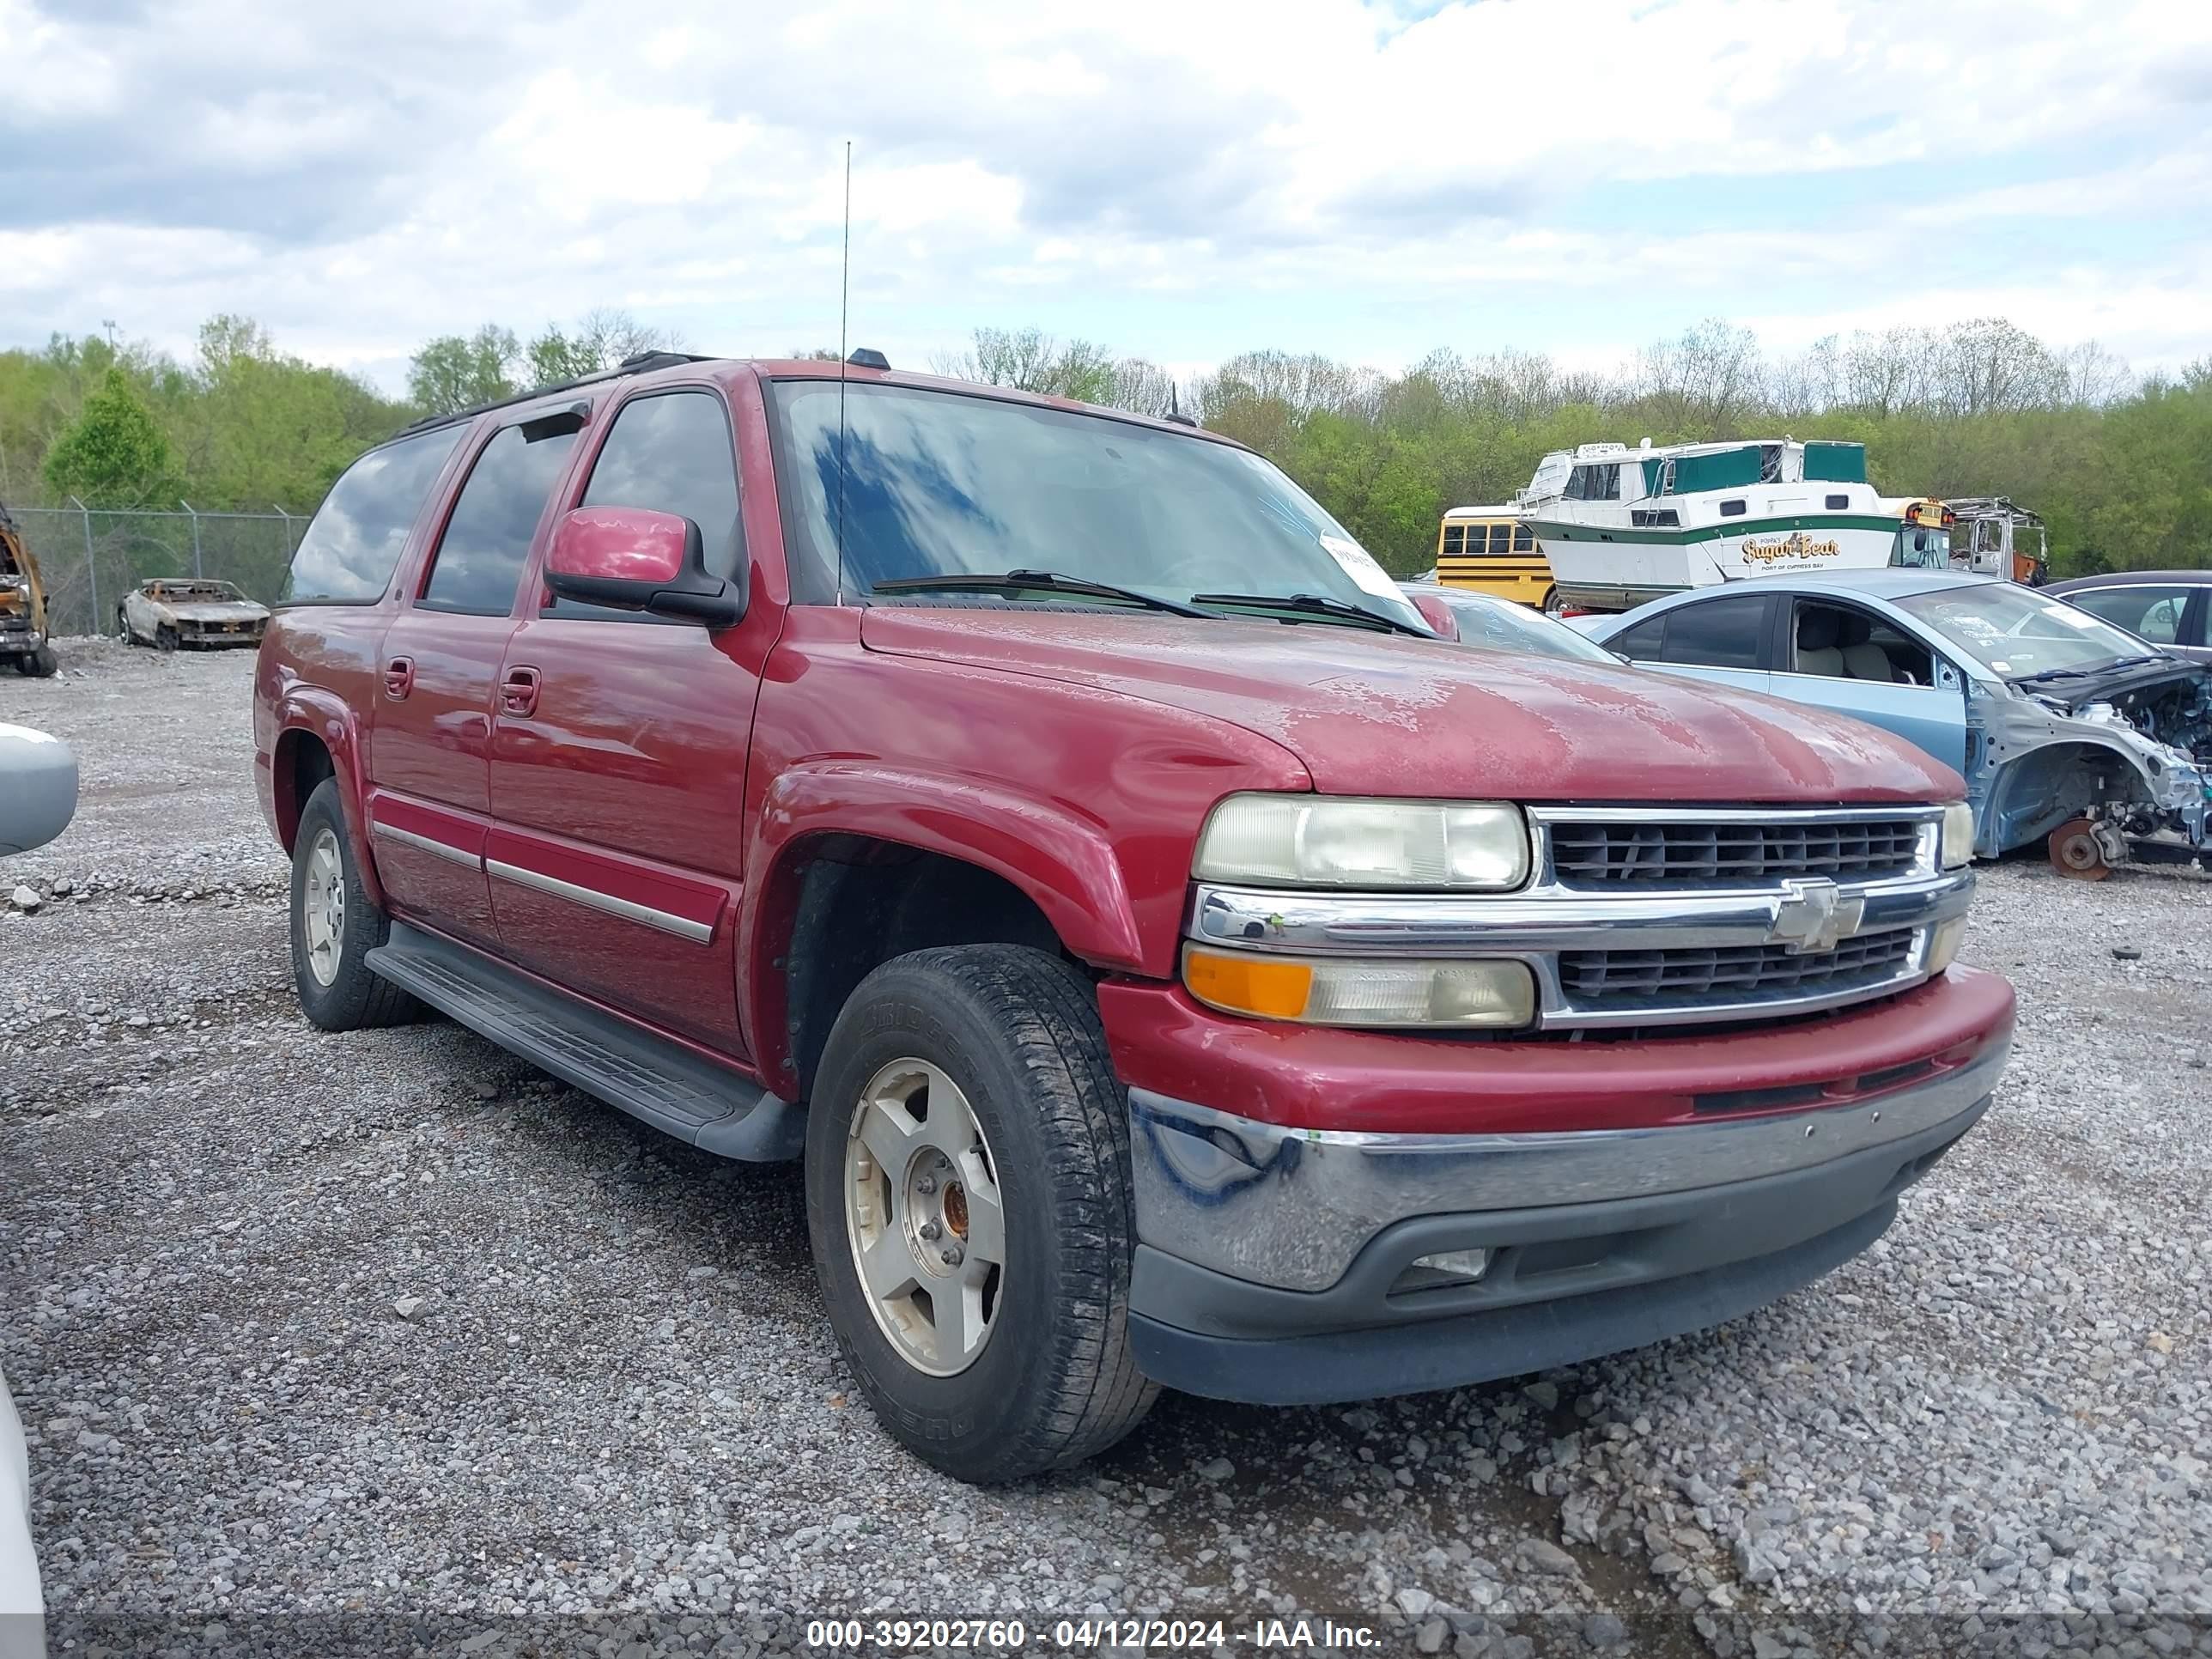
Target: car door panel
{"type": "Point", "coordinates": [437, 681]}
{"type": "Point", "coordinates": [626, 784]}
{"type": "Point", "coordinates": [623, 780]}
{"type": "Point", "coordinates": [429, 798]}
{"type": "Point", "coordinates": [1931, 718]}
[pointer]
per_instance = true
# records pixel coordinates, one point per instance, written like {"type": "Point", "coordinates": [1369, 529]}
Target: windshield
{"type": "Point", "coordinates": [2016, 631]}
{"type": "Point", "coordinates": [942, 484]}
{"type": "Point", "coordinates": [1921, 549]}
{"type": "Point", "coordinates": [1502, 626]}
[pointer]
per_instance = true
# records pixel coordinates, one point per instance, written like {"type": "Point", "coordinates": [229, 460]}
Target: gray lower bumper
{"type": "Point", "coordinates": [1275, 1267]}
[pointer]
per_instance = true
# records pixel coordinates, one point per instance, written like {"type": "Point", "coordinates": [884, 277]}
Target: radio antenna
{"type": "Point", "coordinates": [844, 310]}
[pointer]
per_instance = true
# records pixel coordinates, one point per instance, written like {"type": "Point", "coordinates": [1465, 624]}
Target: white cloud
{"type": "Point", "coordinates": [361, 179]}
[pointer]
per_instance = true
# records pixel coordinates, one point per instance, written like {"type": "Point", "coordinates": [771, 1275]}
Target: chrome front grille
{"type": "Point", "coordinates": [1657, 981]}
{"type": "Point", "coordinates": [1641, 918]}
{"type": "Point", "coordinates": [1596, 855]}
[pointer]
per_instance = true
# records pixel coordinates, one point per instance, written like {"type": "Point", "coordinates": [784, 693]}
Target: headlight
{"type": "Point", "coordinates": [1335, 991]}
{"type": "Point", "coordinates": [1308, 841]}
{"type": "Point", "coordinates": [1958, 836]}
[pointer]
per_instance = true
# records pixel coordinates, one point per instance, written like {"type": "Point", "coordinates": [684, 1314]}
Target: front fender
{"type": "Point", "coordinates": [1063, 863]}
{"type": "Point", "coordinates": [1060, 860]}
{"type": "Point", "coordinates": [2042, 767]}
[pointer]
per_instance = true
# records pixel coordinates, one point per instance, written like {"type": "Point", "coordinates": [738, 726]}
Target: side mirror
{"type": "Point", "coordinates": [635, 559]}
{"type": "Point", "coordinates": [1439, 615]}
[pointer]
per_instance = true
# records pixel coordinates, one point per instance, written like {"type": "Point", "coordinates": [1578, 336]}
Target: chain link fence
{"type": "Point", "coordinates": [90, 557]}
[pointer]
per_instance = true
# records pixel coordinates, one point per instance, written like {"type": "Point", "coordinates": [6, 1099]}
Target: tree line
{"type": "Point", "coordinates": [2120, 464]}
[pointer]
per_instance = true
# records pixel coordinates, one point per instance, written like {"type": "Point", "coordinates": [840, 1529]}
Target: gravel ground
{"type": "Point", "coordinates": [614, 1422]}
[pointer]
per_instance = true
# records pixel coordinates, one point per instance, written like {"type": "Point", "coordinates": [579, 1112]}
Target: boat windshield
{"type": "Point", "coordinates": [2017, 632]}
{"type": "Point", "coordinates": [1919, 548]}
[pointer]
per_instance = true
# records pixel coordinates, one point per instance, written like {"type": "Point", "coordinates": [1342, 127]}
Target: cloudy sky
{"type": "Point", "coordinates": [1184, 179]}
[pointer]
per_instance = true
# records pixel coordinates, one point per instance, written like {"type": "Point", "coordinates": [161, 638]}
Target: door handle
{"type": "Point", "coordinates": [399, 678]}
{"type": "Point", "coordinates": [518, 693]}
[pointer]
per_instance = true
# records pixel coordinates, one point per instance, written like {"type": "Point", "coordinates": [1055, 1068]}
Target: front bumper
{"type": "Point", "coordinates": [1276, 1264]}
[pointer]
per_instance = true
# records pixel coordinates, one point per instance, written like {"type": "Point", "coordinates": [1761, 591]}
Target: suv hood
{"type": "Point", "coordinates": [1389, 715]}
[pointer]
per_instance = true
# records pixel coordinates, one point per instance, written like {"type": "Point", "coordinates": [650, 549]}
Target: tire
{"type": "Point", "coordinates": [42, 664]}
{"type": "Point", "coordinates": [1551, 604]}
{"type": "Point", "coordinates": [123, 627]}
{"type": "Point", "coordinates": [337, 990]}
{"type": "Point", "coordinates": [1015, 1033]}
{"type": "Point", "coordinates": [165, 638]}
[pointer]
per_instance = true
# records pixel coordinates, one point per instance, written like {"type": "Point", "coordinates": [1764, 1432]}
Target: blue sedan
{"type": "Point", "coordinates": [2065, 727]}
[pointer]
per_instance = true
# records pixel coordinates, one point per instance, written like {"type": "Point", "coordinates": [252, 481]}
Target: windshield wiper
{"type": "Point", "coordinates": [2093, 668]}
{"type": "Point", "coordinates": [1038, 581]}
{"type": "Point", "coordinates": [1313, 605]}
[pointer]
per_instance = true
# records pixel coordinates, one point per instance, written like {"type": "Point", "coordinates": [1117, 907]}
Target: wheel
{"type": "Point", "coordinates": [39, 665]}
{"type": "Point", "coordinates": [1551, 606]}
{"type": "Point", "coordinates": [165, 638]}
{"type": "Point", "coordinates": [123, 627]}
{"type": "Point", "coordinates": [335, 924]}
{"type": "Point", "coordinates": [2074, 852]}
{"type": "Point", "coordinates": [968, 1199]}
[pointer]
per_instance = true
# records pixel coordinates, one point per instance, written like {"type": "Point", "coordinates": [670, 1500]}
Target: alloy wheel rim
{"type": "Point", "coordinates": [322, 905]}
{"type": "Point", "coordinates": [923, 1218]}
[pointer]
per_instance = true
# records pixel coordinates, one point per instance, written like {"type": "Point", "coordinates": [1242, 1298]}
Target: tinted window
{"type": "Point", "coordinates": [1643, 642]}
{"type": "Point", "coordinates": [352, 548]}
{"type": "Point", "coordinates": [1455, 537]}
{"type": "Point", "coordinates": [2154, 613]}
{"type": "Point", "coordinates": [487, 541]}
{"type": "Point", "coordinates": [1524, 539]}
{"type": "Point", "coordinates": [1719, 634]}
{"type": "Point", "coordinates": [673, 452]}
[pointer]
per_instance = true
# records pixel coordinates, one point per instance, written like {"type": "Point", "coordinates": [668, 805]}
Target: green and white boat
{"type": "Point", "coordinates": [1622, 526]}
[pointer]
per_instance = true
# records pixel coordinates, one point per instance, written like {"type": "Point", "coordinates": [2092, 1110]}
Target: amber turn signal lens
{"type": "Point", "coordinates": [1249, 984]}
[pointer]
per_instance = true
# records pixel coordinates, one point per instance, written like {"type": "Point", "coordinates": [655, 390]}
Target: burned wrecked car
{"type": "Point", "coordinates": [24, 638]}
{"type": "Point", "coordinates": [170, 611]}
{"type": "Point", "coordinates": [2069, 731]}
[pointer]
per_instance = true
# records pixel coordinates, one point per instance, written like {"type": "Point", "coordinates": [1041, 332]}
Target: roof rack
{"type": "Point", "coordinates": [643, 362]}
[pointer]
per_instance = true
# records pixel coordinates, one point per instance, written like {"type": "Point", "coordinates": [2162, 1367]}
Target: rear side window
{"type": "Point", "coordinates": [1719, 634]}
{"type": "Point", "coordinates": [671, 452]}
{"type": "Point", "coordinates": [2148, 612]}
{"type": "Point", "coordinates": [350, 550]}
{"type": "Point", "coordinates": [1642, 642]}
{"type": "Point", "coordinates": [487, 541]}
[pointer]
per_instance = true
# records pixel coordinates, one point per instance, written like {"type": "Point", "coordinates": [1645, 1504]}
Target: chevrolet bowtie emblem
{"type": "Point", "coordinates": [1813, 916]}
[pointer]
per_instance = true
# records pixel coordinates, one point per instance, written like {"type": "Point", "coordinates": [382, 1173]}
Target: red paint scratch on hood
{"type": "Point", "coordinates": [1384, 714]}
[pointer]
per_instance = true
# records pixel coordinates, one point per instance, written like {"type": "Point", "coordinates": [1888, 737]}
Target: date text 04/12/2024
{"type": "Point", "coordinates": [1085, 1635]}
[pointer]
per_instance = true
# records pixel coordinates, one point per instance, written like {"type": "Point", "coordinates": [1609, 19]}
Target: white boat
{"type": "Point", "coordinates": [1622, 526]}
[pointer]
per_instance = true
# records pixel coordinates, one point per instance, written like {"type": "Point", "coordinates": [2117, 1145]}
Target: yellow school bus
{"type": "Point", "coordinates": [1490, 549]}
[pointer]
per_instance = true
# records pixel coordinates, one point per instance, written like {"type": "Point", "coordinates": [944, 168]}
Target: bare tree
{"type": "Point", "coordinates": [1707, 381]}
{"type": "Point", "coordinates": [1030, 360]}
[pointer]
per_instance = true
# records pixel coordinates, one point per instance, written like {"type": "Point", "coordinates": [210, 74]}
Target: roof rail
{"type": "Point", "coordinates": [641, 362]}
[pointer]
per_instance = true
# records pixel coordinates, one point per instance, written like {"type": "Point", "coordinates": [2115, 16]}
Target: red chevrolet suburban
{"type": "Point", "coordinates": [1174, 965]}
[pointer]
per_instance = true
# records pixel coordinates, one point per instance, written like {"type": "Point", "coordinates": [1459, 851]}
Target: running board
{"type": "Point", "coordinates": [698, 1102]}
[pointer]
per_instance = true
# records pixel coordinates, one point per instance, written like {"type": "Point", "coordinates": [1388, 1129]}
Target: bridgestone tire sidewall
{"type": "Point", "coordinates": [963, 1424]}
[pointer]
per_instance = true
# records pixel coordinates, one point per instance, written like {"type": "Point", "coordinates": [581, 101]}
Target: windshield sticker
{"type": "Point", "coordinates": [2001, 667]}
{"type": "Point", "coordinates": [1356, 562]}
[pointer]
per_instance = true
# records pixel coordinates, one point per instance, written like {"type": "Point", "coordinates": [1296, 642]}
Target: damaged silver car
{"type": "Point", "coordinates": [2069, 731]}
{"type": "Point", "coordinates": [170, 611]}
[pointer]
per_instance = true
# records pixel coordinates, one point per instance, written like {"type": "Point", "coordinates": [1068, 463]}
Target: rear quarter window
{"type": "Point", "coordinates": [354, 544]}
